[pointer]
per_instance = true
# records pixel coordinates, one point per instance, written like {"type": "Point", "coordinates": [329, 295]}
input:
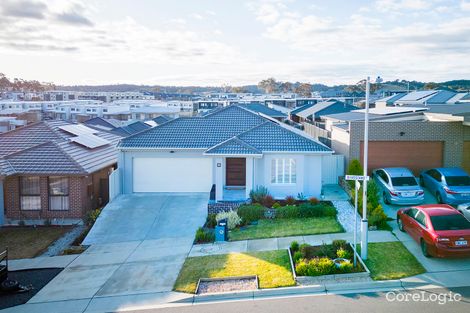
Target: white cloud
{"type": "Point", "coordinates": [465, 5]}
{"type": "Point", "coordinates": [399, 5]}
{"type": "Point", "coordinates": [106, 41]}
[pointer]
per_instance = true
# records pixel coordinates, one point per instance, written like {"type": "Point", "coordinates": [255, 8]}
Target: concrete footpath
{"type": "Point", "coordinates": [282, 243]}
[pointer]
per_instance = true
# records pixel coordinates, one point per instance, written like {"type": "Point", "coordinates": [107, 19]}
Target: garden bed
{"type": "Point", "coordinates": [226, 284]}
{"type": "Point", "coordinates": [326, 263]}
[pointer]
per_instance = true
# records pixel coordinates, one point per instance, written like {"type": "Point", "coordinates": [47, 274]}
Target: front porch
{"type": "Point", "coordinates": [233, 178]}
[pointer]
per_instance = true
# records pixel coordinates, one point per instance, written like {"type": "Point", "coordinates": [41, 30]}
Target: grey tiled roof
{"type": "Point", "coordinates": [43, 148]}
{"type": "Point", "coordinates": [161, 119]}
{"type": "Point", "coordinates": [217, 128]}
{"type": "Point", "coordinates": [47, 158]}
{"type": "Point", "coordinates": [264, 109]}
{"type": "Point", "coordinates": [233, 146]}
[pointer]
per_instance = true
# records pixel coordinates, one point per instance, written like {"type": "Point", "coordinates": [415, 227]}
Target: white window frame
{"type": "Point", "coordinates": [288, 166]}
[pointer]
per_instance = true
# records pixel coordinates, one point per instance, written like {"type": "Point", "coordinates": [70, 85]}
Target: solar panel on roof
{"type": "Point", "coordinates": [78, 129]}
{"type": "Point", "coordinates": [90, 141]}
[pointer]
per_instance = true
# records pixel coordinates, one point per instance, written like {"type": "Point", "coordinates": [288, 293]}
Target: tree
{"type": "Point", "coordinates": [304, 90]}
{"type": "Point", "coordinates": [238, 89]}
{"type": "Point", "coordinates": [286, 87]}
{"type": "Point", "coordinates": [269, 85]}
{"type": "Point", "coordinates": [431, 86]}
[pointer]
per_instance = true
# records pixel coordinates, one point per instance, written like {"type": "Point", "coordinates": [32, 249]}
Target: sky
{"type": "Point", "coordinates": [234, 42]}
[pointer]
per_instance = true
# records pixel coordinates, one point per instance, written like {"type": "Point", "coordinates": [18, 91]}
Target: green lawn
{"type": "Point", "coordinates": [268, 228]}
{"type": "Point", "coordinates": [391, 260]}
{"type": "Point", "coordinates": [272, 267]}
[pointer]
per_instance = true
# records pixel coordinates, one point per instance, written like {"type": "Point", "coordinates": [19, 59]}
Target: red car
{"type": "Point", "coordinates": [441, 230]}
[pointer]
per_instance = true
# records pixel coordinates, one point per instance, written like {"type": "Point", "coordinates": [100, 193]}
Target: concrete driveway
{"type": "Point", "coordinates": [391, 210]}
{"type": "Point", "coordinates": [138, 246]}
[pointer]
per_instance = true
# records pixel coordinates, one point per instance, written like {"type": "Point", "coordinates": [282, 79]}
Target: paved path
{"type": "Point", "coordinates": [138, 247]}
{"type": "Point", "coordinates": [61, 261]}
{"type": "Point", "coordinates": [282, 243]}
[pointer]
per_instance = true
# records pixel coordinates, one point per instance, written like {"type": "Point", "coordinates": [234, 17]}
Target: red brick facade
{"type": "Point", "coordinates": [83, 195]}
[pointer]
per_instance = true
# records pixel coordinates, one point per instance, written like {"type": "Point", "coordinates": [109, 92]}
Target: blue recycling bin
{"type": "Point", "coordinates": [221, 231]}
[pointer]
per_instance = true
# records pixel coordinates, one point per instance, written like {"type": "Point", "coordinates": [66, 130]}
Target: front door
{"type": "Point", "coordinates": [235, 172]}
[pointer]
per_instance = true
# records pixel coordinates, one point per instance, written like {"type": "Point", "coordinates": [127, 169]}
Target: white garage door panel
{"type": "Point", "coordinates": [172, 174]}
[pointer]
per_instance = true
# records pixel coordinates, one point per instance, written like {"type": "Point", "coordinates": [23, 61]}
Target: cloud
{"type": "Point", "coordinates": [465, 5]}
{"type": "Point", "coordinates": [399, 5]}
{"type": "Point", "coordinates": [23, 9]}
{"type": "Point", "coordinates": [74, 16]}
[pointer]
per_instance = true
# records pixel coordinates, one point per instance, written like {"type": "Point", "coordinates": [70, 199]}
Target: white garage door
{"type": "Point", "coordinates": [172, 174]}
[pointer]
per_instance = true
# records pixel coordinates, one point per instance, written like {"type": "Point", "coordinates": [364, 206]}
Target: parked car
{"type": "Point", "coordinates": [440, 229]}
{"type": "Point", "coordinates": [464, 208]}
{"type": "Point", "coordinates": [399, 186]}
{"type": "Point", "coordinates": [449, 185]}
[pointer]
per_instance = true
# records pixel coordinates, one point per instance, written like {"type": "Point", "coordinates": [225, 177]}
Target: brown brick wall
{"type": "Point", "coordinates": [81, 197]}
{"type": "Point", "coordinates": [451, 133]}
{"type": "Point", "coordinates": [13, 207]}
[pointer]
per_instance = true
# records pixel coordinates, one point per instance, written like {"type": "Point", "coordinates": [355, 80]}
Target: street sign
{"type": "Point", "coordinates": [356, 177]}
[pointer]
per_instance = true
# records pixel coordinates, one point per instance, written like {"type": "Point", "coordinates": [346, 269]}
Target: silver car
{"type": "Point", "coordinates": [464, 208]}
{"type": "Point", "coordinates": [399, 186]}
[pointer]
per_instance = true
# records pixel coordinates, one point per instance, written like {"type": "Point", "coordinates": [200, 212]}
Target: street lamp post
{"type": "Point", "coordinates": [364, 222]}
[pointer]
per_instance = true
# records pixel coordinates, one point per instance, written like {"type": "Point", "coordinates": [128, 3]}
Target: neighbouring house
{"type": "Point", "coordinates": [232, 148]}
{"type": "Point", "coordinates": [120, 128]}
{"type": "Point", "coordinates": [54, 171]}
{"type": "Point", "coordinates": [266, 111]}
{"type": "Point", "coordinates": [413, 137]}
{"type": "Point", "coordinates": [313, 111]}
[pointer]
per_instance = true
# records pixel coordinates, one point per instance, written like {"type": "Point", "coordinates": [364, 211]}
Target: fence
{"type": "Point", "coordinates": [114, 184]}
{"type": "Point", "coordinates": [318, 133]}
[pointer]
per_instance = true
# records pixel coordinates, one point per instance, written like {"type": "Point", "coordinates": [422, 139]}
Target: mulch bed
{"type": "Point", "coordinates": [242, 284]}
{"type": "Point", "coordinates": [38, 278]}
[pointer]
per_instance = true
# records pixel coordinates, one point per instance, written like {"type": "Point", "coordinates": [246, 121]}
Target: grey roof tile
{"type": "Point", "coordinates": [233, 146]}
{"type": "Point", "coordinates": [220, 126]}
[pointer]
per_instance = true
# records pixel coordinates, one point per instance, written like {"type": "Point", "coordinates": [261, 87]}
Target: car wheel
{"type": "Point", "coordinates": [424, 248]}
{"type": "Point", "coordinates": [439, 198]}
{"type": "Point", "coordinates": [386, 201]}
{"type": "Point", "coordinates": [400, 224]}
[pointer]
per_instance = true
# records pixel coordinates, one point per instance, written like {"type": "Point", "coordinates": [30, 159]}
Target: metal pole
{"type": "Point", "coordinates": [355, 220]}
{"type": "Point", "coordinates": [364, 222]}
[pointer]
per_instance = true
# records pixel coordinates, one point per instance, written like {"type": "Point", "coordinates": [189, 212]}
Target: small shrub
{"type": "Point", "coordinates": [303, 248]}
{"type": "Point", "coordinates": [346, 267]}
{"type": "Point", "coordinates": [92, 216]}
{"type": "Point", "coordinates": [204, 235]}
{"type": "Point", "coordinates": [288, 211]}
{"type": "Point", "coordinates": [378, 217]}
{"type": "Point", "coordinates": [268, 201]}
{"type": "Point", "coordinates": [47, 222]}
{"type": "Point", "coordinates": [315, 267]}
{"type": "Point", "coordinates": [258, 194]}
{"type": "Point", "coordinates": [339, 243]}
{"type": "Point", "coordinates": [232, 217]}
{"type": "Point", "coordinates": [290, 200]}
{"type": "Point", "coordinates": [301, 196]}
{"type": "Point", "coordinates": [277, 205]}
{"type": "Point", "coordinates": [297, 256]}
{"type": "Point", "coordinates": [251, 213]}
{"type": "Point", "coordinates": [343, 253]}
{"type": "Point", "coordinates": [302, 267]}
{"type": "Point", "coordinates": [21, 223]}
{"type": "Point", "coordinates": [211, 222]}
{"type": "Point", "coordinates": [294, 246]}
{"type": "Point", "coordinates": [354, 168]}
{"type": "Point", "coordinates": [313, 201]}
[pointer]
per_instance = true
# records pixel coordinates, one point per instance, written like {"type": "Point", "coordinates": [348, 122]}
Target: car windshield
{"type": "Point", "coordinates": [450, 222]}
{"type": "Point", "coordinates": [404, 181]}
{"type": "Point", "coordinates": [458, 180]}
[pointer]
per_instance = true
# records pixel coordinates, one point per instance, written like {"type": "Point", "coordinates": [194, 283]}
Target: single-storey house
{"type": "Point", "coordinates": [415, 137]}
{"type": "Point", "coordinates": [232, 148]}
{"type": "Point", "coordinates": [55, 171]}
